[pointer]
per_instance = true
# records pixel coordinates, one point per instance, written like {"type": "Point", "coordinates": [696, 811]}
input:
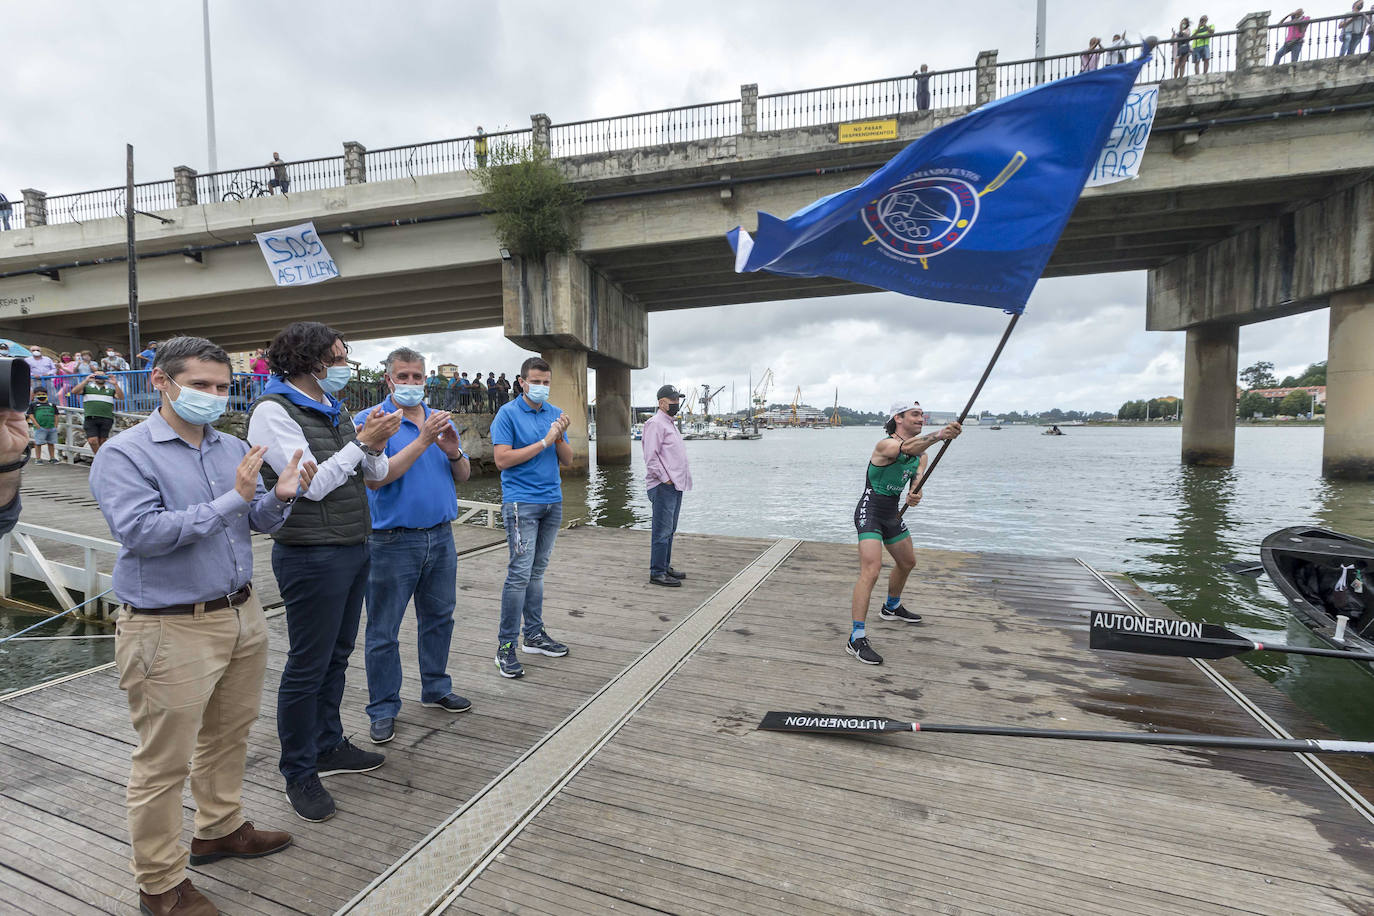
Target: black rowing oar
{"type": "Point", "coordinates": [1185, 639]}
{"type": "Point", "coordinates": [1244, 568]}
{"type": "Point", "coordinates": [831, 724]}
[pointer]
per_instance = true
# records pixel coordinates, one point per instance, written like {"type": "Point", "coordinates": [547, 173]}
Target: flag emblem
{"type": "Point", "coordinates": [922, 216]}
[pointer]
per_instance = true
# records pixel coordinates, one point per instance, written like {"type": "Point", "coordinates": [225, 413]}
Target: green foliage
{"type": "Point", "coordinates": [1315, 375]}
{"type": "Point", "coordinates": [1251, 404]}
{"type": "Point", "coordinates": [1260, 375]}
{"type": "Point", "coordinates": [1295, 403]}
{"type": "Point", "coordinates": [535, 210]}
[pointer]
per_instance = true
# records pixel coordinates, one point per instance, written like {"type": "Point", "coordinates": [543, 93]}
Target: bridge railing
{"type": "Point", "coordinates": [645, 128]}
{"type": "Point", "coordinates": [867, 99]}
{"type": "Point", "coordinates": [255, 181]}
{"type": "Point", "coordinates": [1322, 39]}
{"type": "Point", "coordinates": [107, 202]}
{"type": "Point", "coordinates": [437, 157]}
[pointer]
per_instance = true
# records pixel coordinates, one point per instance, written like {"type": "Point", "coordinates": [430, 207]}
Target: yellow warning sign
{"type": "Point", "coordinates": [863, 131]}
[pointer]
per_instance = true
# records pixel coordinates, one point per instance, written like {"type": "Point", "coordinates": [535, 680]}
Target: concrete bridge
{"type": "Point", "coordinates": [1253, 202]}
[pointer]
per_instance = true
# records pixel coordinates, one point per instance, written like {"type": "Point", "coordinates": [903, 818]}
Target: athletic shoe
{"type": "Point", "coordinates": [310, 799]}
{"type": "Point", "coordinates": [542, 643]}
{"type": "Point", "coordinates": [665, 580]}
{"type": "Point", "coordinates": [860, 649]}
{"type": "Point", "coordinates": [452, 703]}
{"type": "Point", "coordinates": [899, 613]}
{"type": "Point", "coordinates": [675, 574]}
{"type": "Point", "coordinates": [348, 759]}
{"type": "Point", "coordinates": [505, 660]}
{"type": "Point", "coordinates": [382, 731]}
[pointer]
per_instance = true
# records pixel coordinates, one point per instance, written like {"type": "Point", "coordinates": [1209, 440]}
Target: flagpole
{"type": "Point", "coordinates": [921, 481]}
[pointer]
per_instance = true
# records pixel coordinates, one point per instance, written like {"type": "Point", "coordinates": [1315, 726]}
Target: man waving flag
{"type": "Point", "coordinates": [968, 213]}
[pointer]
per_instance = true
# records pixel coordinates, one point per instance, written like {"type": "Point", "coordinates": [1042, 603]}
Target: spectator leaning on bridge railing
{"type": "Point", "coordinates": [1181, 37]}
{"type": "Point", "coordinates": [1293, 38]}
{"type": "Point", "coordinates": [1353, 28]}
{"type": "Point", "coordinates": [1202, 46]}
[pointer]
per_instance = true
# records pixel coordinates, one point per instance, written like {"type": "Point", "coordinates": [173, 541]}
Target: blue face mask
{"type": "Point", "coordinates": [408, 395]}
{"type": "Point", "coordinates": [335, 378]}
{"type": "Point", "coordinates": [537, 393]}
{"type": "Point", "coordinates": [199, 407]}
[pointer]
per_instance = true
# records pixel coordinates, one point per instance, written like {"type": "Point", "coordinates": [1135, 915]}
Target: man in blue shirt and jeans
{"type": "Point", "coordinates": [529, 441]}
{"type": "Point", "coordinates": [413, 508]}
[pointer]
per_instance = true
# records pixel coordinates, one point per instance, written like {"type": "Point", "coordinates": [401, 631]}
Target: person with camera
{"type": "Point", "coordinates": [321, 557]}
{"type": "Point", "coordinates": [183, 500]}
{"type": "Point", "coordinates": [98, 391]}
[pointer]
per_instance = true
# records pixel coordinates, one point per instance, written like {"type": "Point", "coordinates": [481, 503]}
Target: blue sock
{"type": "Point", "coordinates": [859, 631]}
{"type": "Point", "coordinates": [892, 602]}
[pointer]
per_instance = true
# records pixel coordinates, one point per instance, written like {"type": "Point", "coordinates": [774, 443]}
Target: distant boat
{"type": "Point", "coordinates": [994, 428]}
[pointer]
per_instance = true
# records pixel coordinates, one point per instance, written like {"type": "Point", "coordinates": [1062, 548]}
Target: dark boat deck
{"type": "Point", "coordinates": [629, 776]}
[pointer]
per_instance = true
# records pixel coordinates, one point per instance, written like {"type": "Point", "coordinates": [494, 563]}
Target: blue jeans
{"type": "Point", "coordinates": [409, 563]}
{"type": "Point", "coordinates": [530, 532]}
{"type": "Point", "coordinates": [666, 500]}
{"type": "Point", "coordinates": [323, 591]}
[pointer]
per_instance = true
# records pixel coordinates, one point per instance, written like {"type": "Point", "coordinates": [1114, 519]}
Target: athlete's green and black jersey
{"type": "Point", "coordinates": [878, 515]}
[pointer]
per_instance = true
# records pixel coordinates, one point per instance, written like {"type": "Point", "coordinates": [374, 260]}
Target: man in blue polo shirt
{"type": "Point", "coordinates": [529, 441]}
{"type": "Point", "coordinates": [413, 508]}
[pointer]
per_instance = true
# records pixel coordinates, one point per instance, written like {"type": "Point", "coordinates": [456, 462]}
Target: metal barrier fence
{"type": "Point", "coordinates": [869, 99]}
{"type": "Point", "coordinates": [256, 181]}
{"type": "Point", "coordinates": [139, 395]}
{"type": "Point", "coordinates": [646, 128]}
{"type": "Point", "coordinates": [459, 154]}
{"type": "Point", "coordinates": [1321, 38]}
{"type": "Point", "coordinates": [107, 202]}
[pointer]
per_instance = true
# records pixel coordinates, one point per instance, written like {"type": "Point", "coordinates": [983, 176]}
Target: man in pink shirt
{"type": "Point", "coordinates": [667, 477]}
{"type": "Point", "coordinates": [1297, 31]}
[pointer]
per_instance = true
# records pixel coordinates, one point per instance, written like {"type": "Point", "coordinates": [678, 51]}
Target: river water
{"type": "Point", "coordinates": [1116, 497]}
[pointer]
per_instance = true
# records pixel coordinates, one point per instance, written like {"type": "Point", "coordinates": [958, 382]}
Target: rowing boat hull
{"type": "Point", "coordinates": [1284, 554]}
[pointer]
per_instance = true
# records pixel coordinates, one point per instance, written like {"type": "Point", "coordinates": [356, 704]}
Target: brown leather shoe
{"type": "Point", "coordinates": [182, 900]}
{"type": "Point", "coordinates": [244, 843]}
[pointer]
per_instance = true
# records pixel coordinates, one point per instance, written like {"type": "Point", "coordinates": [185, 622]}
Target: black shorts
{"type": "Point", "coordinates": [877, 517]}
{"type": "Point", "coordinates": [97, 427]}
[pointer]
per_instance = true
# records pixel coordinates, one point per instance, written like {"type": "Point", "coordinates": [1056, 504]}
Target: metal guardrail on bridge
{"type": "Point", "coordinates": [1255, 45]}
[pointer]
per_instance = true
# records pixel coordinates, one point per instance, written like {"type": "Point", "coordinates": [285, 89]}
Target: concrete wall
{"type": "Point", "coordinates": [562, 302]}
{"type": "Point", "coordinates": [1286, 265]}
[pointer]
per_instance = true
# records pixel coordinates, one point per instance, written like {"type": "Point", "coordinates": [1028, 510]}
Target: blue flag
{"type": "Point", "coordinates": [968, 213]}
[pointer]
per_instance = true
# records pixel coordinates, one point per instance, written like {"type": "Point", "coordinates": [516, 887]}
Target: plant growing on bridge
{"type": "Point", "coordinates": [535, 210]}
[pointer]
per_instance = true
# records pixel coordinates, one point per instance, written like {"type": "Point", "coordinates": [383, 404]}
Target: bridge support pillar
{"type": "Point", "coordinates": [1348, 446]}
{"type": "Point", "coordinates": [613, 415]}
{"type": "Point", "coordinates": [569, 392]}
{"type": "Point", "coordinates": [563, 308]}
{"type": "Point", "coordinates": [1209, 394]}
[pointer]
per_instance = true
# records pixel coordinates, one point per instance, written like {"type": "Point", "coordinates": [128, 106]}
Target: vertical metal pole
{"type": "Point", "coordinates": [130, 252]}
{"type": "Point", "coordinates": [1039, 41]}
{"type": "Point", "coordinates": [209, 90]}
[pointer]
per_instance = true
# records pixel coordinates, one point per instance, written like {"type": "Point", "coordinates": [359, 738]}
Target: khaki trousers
{"type": "Point", "coordinates": [194, 683]}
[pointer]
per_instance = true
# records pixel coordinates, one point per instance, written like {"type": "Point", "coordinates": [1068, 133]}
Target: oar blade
{"type": "Point", "coordinates": [1244, 568]}
{"type": "Point", "coordinates": [830, 724]}
{"type": "Point", "coordinates": [1162, 636]}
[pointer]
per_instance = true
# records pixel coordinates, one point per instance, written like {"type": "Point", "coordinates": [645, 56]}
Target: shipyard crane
{"type": "Point", "coordinates": [759, 398]}
{"type": "Point", "coordinates": [835, 411]}
{"type": "Point", "coordinates": [706, 395]}
{"type": "Point", "coordinates": [796, 399]}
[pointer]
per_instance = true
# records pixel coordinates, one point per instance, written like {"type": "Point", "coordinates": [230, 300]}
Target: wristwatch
{"type": "Point", "coordinates": [16, 465]}
{"type": "Point", "coordinates": [368, 450]}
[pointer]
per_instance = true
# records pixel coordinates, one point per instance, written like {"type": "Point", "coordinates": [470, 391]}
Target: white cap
{"type": "Point", "coordinates": [903, 407]}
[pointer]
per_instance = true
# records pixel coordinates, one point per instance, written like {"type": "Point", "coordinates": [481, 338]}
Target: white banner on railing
{"type": "Point", "coordinates": [296, 256]}
{"type": "Point", "coordinates": [1125, 146]}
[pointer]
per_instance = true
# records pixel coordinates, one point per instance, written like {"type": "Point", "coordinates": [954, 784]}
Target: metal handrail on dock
{"type": "Point", "coordinates": [19, 555]}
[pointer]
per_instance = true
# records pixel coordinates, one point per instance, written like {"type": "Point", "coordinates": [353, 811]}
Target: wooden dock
{"type": "Point", "coordinates": [630, 777]}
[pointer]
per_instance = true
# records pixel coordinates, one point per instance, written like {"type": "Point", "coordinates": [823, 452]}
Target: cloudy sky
{"type": "Point", "coordinates": [84, 78]}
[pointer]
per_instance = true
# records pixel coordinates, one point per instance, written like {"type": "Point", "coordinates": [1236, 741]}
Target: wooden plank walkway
{"type": "Point", "coordinates": [682, 806]}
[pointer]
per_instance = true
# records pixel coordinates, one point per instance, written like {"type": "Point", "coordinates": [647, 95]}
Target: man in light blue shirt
{"type": "Point", "coordinates": [191, 641]}
{"type": "Point", "coordinates": [531, 507]}
{"type": "Point", "coordinates": [413, 508]}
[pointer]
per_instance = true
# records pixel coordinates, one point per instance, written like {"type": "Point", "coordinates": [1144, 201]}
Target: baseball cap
{"type": "Point", "coordinates": [669, 392]}
{"type": "Point", "coordinates": [903, 407]}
